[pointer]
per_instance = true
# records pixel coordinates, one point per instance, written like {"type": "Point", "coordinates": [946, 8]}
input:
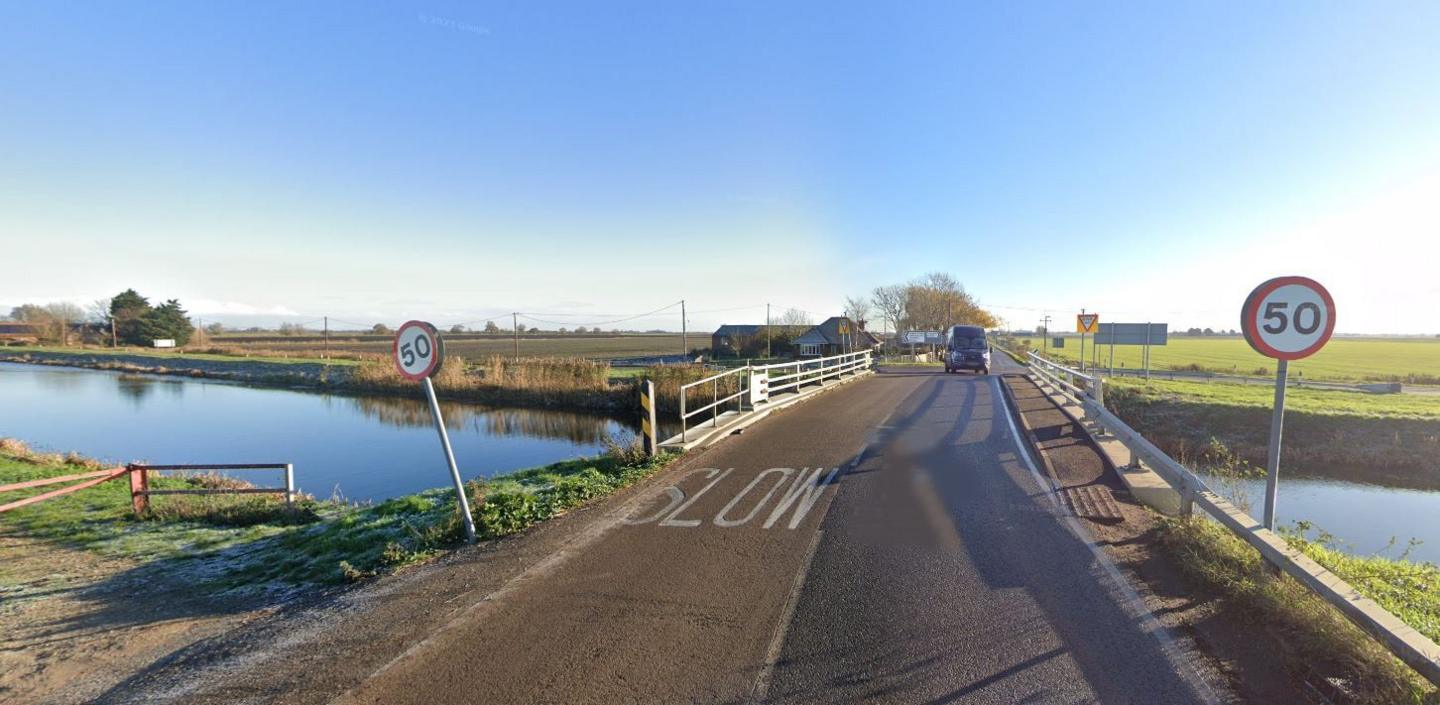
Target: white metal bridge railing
{"type": "Point", "coordinates": [1407, 644]}
{"type": "Point", "coordinates": [777, 377]}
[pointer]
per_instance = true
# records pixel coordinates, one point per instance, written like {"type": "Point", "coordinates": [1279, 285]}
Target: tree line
{"type": "Point", "coordinates": [125, 319]}
{"type": "Point", "coordinates": [934, 301]}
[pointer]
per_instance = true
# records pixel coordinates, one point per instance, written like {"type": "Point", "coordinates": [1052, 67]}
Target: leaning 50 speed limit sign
{"type": "Point", "coordinates": [419, 352]}
{"type": "Point", "coordinates": [1286, 318]}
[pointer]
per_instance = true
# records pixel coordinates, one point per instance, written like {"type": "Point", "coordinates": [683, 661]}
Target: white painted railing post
{"type": "Point", "coordinates": [289, 486]}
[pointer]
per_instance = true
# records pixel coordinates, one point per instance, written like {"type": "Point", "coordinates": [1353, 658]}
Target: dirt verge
{"type": "Point", "coordinates": [74, 623]}
{"type": "Point", "coordinates": [1228, 641]}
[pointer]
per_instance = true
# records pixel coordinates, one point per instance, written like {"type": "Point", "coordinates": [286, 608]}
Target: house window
{"type": "Point", "coordinates": [809, 349]}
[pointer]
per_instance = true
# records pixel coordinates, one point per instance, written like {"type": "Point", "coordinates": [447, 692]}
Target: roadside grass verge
{"type": "Point", "coordinates": [1391, 438]}
{"type": "Point", "coordinates": [1297, 399]}
{"type": "Point", "coordinates": [250, 544]}
{"type": "Point", "coordinates": [1407, 589]}
{"type": "Point", "coordinates": [1315, 641]}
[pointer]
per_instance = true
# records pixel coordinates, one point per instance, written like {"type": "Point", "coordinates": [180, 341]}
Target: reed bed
{"type": "Point", "coordinates": [669, 379]}
{"type": "Point", "coordinates": [566, 374]}
{"type": "Point", "coordinates": [570, 382]}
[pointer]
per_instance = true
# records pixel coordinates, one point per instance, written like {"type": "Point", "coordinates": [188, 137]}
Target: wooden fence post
{"type": "Point", "coordinates": [139, 487]}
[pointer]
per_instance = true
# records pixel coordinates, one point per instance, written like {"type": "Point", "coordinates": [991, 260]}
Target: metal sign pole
{"type": "Point", "coordinates": [1147, 350]}
{"type": "Point", "coordinates": [1112, 350]}
{"type": "Point", "coordinates": [450, 458]}
{"type": "Point", "coordinates": [1277, 426]}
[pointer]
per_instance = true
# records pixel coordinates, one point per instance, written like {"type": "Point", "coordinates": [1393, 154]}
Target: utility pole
{"type": "Point", "coordinates": [767, 332]}
{"type": "Point", "coordinates": [515, 329]}
{"type": "Point", "coordinates": [684, 333]}
{"type": "Point", "coordinates": [1045, 334]}
{"type": "Point", "coordinates": [327, 338]}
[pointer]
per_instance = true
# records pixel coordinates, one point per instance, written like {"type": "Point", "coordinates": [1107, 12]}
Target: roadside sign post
{"type": "Point", "coordinates": [1085, 323]}
{"type": "Point", "coordinates": [647, 417]}
{"type": "Point", "coordinates": [419, 352]}
{"type": "Point", "coordinates": [1146, 353]}
{"type": "Point", "coordinates": [1285, 318]}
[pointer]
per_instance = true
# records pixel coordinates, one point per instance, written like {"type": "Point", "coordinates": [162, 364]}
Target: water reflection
{"type": "Point", "coordinates": [575, 427]}
{"type": "Point", "coordinates": [369, 447]}
{"type": "Point", "coordinates": [1365, 518]}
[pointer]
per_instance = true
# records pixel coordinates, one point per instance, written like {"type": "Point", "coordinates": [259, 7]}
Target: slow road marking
{"type": "Point", "coordinates": [781, 490]}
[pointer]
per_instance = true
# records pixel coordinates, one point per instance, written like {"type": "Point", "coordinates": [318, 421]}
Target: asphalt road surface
{"type": "Point", "coordinates": [885, 542]}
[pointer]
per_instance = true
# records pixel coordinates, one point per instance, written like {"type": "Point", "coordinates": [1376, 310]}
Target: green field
{"type": "Point", "coordinates": [1327, 402]}
{"type": "Point", "coordinates": [1414, 360]}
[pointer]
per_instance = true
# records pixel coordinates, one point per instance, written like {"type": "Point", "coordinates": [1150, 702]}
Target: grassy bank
{"type": "Point", "coordinates": [251, 543]}
{"type": "Point", "coordinates": [1392, 437]}
{"type": "Point", "coordinates": [1316, 643]}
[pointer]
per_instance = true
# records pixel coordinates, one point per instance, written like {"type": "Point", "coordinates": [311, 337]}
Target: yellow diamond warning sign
{"type": "Point", "coordinates": [1087, 323]}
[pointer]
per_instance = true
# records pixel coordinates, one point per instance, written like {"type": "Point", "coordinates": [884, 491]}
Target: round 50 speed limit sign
{"type": "Point", "coordinates": [418, 350]}
{"type": "Point", "coordinates": [1288, 318]}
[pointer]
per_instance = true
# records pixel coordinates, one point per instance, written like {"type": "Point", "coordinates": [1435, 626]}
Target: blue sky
{"type": "Point", "coordinates": [457, 161]}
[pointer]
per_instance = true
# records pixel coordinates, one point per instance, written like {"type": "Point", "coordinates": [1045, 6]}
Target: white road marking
{"type": "Point", "coordinates": [1129, 598]}
{"type": "Point", "coordinates": [720, 519]}
{"type": "Point", "coordinates": [676, 497]}
{"type": "Point", "coordinates": [672, 521]}
{"type": "Point", "coordinates": [761, 689]}
{"type": "Point", "coordinates": [807, 491]}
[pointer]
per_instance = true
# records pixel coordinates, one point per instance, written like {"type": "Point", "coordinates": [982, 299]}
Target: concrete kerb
{"type": "Point", "coordinates": [740, 421]}
{"type": "Point", "coordinates": [1144, 484]}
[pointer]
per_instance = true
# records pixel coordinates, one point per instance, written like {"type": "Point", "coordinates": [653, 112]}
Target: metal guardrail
{"type": "Point", "coordinates": [792, 375]}
{"type": "Point", "coordinates": [739, 373]}
{"type": "Point", "coordinates": [1407, 644]}
{"type": "Point", "coordinates": [811, 371]}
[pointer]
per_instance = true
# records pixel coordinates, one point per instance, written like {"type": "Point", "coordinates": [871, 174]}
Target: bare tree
{"type": "Point", "coordinates": [890, 301]}
{"type": "Point", "coordinates": [937, 300]}
{"type": "Point", "coordinates": [857, 309]}
{"type": "Point", "coordinates": [99, 311]}
{"type": "Point", "coordinates": [795, 318]}
{"type": "Point", "coordinates": [62, 315]}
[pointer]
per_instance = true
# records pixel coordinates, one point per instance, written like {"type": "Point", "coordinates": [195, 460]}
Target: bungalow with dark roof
{"type": "Point", "coordinates": [736, 339]}
{"type": "Point", "coordinates": [836, 335]}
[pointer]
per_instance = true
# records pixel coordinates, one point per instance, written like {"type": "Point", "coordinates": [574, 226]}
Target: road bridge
{"type": "Point", "coordinates": [888, 542]}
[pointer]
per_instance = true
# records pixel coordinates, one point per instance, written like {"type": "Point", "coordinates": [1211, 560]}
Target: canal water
{"type": "Point", "coordinates": [358, 448]}
{"type": "Point", "coordinates": [1363, 517]}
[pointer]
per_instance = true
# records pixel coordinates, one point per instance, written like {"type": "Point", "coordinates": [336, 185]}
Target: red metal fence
{"type": "Point", "coordinates": [140, 492]}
